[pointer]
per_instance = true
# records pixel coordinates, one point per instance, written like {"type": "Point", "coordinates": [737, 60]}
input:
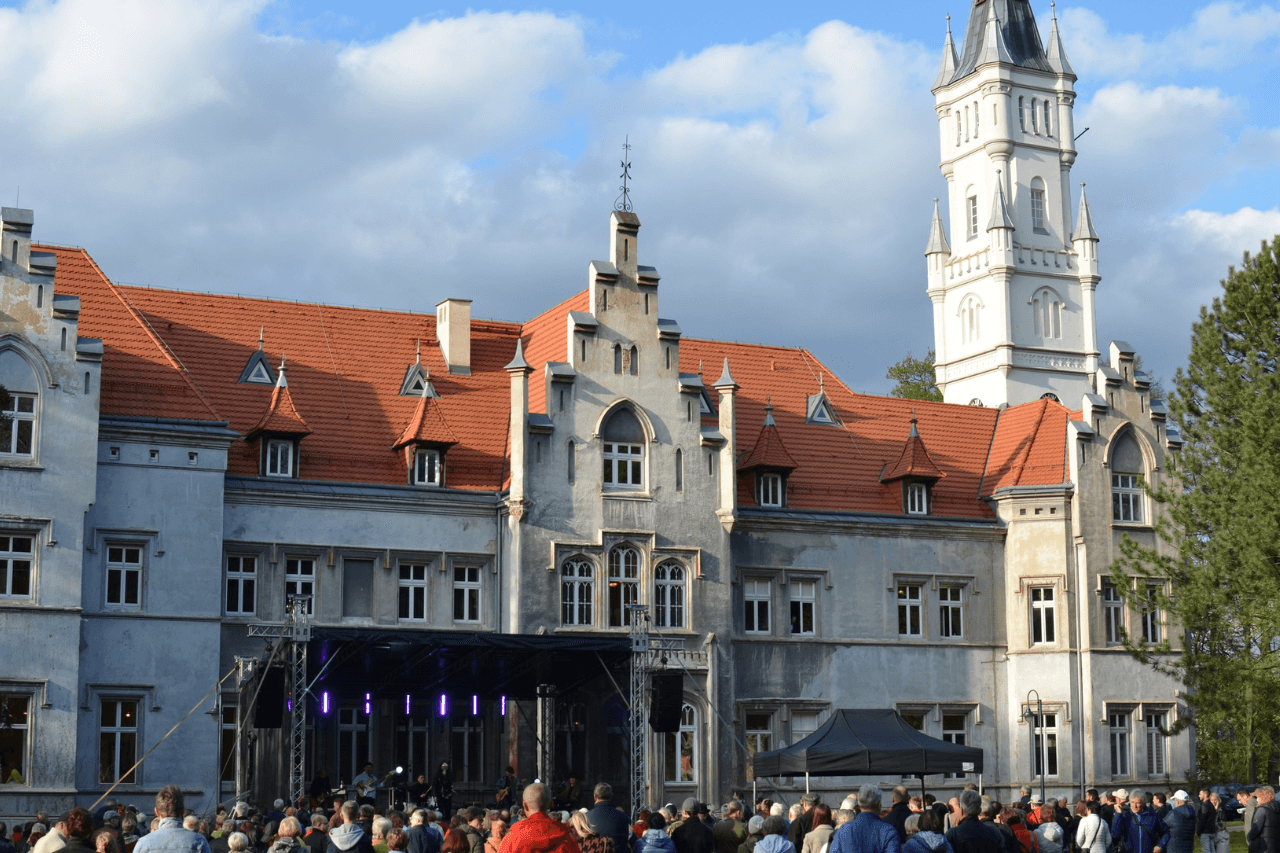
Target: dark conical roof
{"type": "Point", "coordinates": [1017, 25]}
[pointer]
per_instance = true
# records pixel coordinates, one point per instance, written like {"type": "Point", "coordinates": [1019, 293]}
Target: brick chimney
{"type": "Point", "coordinates": [453, 329]}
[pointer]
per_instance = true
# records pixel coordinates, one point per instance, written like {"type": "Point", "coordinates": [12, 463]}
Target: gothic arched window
{"type": "Point", "coordinates": [623, 445]}
{"type": "Point", "coordinates": [577, 591]}
{"type": "Point", "coordinates": [624, 584]}
{"type": "Point", "coordinates": [669, 595]}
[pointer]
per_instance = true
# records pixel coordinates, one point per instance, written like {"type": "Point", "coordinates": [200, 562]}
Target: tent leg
{"type": "Point", "coordinates": [755, 795]}
{"type": "Point", "coordinates": [924, 789]}
{"type": "Point", "coordinates": [979, 784]}
{"type": "Point", "coordinates": [806, 781]}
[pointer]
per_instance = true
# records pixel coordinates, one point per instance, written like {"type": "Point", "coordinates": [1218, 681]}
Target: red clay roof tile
{"type": "Point", "coordinates": [427, 426]}
{"type": "Point", "coordinates": [769, 451]}
{"type": "Point", "coordinates": [281, 416]}
{"type": "Point", "coordinates": [914, 461]}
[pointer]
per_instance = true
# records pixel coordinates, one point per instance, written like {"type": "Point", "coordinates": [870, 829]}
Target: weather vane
{"type": "Point", "coordinates": [623, 201]}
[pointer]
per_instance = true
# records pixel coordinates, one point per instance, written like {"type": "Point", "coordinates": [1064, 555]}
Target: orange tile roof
{"type": "Point", "coordinates": [174, 354]}
{"type": "Point", "coordinates": [427, 426]}
{"type": "Point", "coordinates": [914, 461]}
{"type": "Point", "coordinates": [281, 416]}
{"type": "Point", "coordinates": [769, 451]}
{"type": "Point", "coordinates": [1029, 447]}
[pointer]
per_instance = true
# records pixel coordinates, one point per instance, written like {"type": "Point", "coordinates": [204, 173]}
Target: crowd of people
{"type": "Point", "coordinates": [1122, 821]}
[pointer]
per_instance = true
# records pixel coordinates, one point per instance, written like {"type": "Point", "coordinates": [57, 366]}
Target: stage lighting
{"type": "Point", "coordinates": [444, 705]}
{"type": "Point", "coordinates": [503, 705]}
{"type": "Point", "coordinates": [475, 704]}
{"type": "Point", "coordinates": [399, 769]}
{"type": "Point", "coordinates": [324, 702]}
{"type": "Point", "coordinates": [368, 704]}
{"type": "Point", "coordinates": [408, 708]}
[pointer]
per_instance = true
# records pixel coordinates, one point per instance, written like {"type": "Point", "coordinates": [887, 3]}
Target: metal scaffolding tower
{"type": "Point", "coordinates": [639, 633]}
{"type": "Point", "coordinates": [297, 631]}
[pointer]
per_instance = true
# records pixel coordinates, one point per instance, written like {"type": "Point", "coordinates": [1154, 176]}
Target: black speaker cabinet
{"type": "Point", "coordinates": [268, 711]}
{"type": "Point", "coordinates": [666, 702]}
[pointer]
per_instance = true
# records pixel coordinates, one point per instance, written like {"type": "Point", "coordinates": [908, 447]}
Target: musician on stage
{"type": "Point", "coordinates": [319, 789]}
{"type": "Point", "coordinates": [442, 787]}
{"type": "Point", "coordinates": [570, 795]}
{"type": "Point", "coordinates": [366, 785]}
{"type": "Point", "coordinates": [507, 787]}
{"type": "Point", "coordinates": [420, 791]}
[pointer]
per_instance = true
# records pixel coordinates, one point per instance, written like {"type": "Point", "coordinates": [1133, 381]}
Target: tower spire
{"type": "Point", "coordinates": [937, 237]}
{"type": "Point", "coordinates": [994, 48]}
{"type": "Point", "coordinates": [1056, 54]}
{"type": "Point", "coordinates": [1084, 222]}
{"type": "Point", "coordinates": [949, 60]}
{"type": "Point", "coordinates": [1000, 217]}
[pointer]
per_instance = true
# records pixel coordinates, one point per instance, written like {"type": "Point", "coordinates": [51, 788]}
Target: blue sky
{"type": "Point", "coordinates": [391, 154]}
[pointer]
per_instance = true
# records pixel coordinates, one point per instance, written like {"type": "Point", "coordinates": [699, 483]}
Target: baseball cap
{"type": "Point", "coordinates": [1181, 795]}
{"type": "Point", "coordinates": [690, 805]}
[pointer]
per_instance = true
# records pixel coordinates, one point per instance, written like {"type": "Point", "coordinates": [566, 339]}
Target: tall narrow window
{"type": "Point", "coordinates": [977, 119]}
{"type": "Point", "coordinates": [571, 460]}
{"type": "Point", "coordinates": [917, 498]}
{"type": "Point", "coordinates": [279, 461]}
{"type": "Point", "coordinates": [1022, 115]}
{"type": "Point", "coordinates": [577, 591]}
{"type": "Point", "coordinates": [803, 602]}
{"type": "Point", "coordinates": [17, 429]}
{"type": "Point", "coordinates": [1043, 629]}
{"type": "Point", "coordinates": [1112, 613]}
{"type": "Point", "coordinates": [426, 468]}
{"type": "Point", "coordinates": [1046, 746]}
{"type": "Point", "coordinates": [909, 610]}
{"type": "Point", "coordinates": [633, 367]}
{"type": "Point", "coordinates": [966, 122]}
{"type": "Point", "coordinates": [15, 566]}
{"type": "Point", "coordinates": [413, 592]}
{"type": "Point", "coordinates": [755, 599]}
{"type": "Point", "coordinates": [1048, 128]}
{"type": "Point", "coordinates": [1151, 631]}
{"type": "Point", "coordinates": [680, 750]}
{"type": "Point", "coordinates": [668, 595]}
{"type": "Point", "coordinates": [617, 358]}
{"type": "Point", "coordinates": [466, 593]}
{"type": "Point", "coordinates": [117, 741]}
{"type": "Point", "coordinates": [1126, 498]}
{"type": "Point", "coordinates": [955, 730]}
{"type": "Point", "coordinates": [300, 579]}
{"type": "Point", "coordinates": [758, 733]}
{"type": "Point", "coordinates": [679, 470]}
{"type": "Point", "coordinates": [959, 128]}
{"type": "Point", "coordinates": [951, 611]}
{"type": "Point", "coordinates": [241, 585]}
{"type": "Point", "coordinates": [1157, 743]}
{"type": "Point", "coordinates": [624, 584]}
{"type": "Point", "coordinates": [124, 575]}
{"type": "Point", "coordinates": [64, 340]}
{"type": "Point", "coordinates": [353, 740]}
{"type": "Point", "coordinates": [1038, 206]}
{"type": "Point", "coordinates": [467, 748]}
{"type": "Point", "coordinates": [1118, 730]}
{"type": "Point", "coordinates": [972, 218]}
{"type": "Point", "coordinates": [357, 587]}
{"type": "Point", "coordinates": [227, 750]}
{"type": "Point", "coordinates": [769, 489]}
{"type": "Point", "coordinates": [39, 288]}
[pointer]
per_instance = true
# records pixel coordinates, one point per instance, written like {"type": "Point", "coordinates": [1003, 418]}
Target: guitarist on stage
{"type": "Point", "coordinates": [442, 787]}
{"type": "Point", "coordinates": [506, 788]}
{"type": "Point", "coordinates": [366, 785]}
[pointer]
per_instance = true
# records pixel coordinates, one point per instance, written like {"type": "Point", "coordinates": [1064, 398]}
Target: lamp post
{"type": "Point", "coordinates": [1036, 721]}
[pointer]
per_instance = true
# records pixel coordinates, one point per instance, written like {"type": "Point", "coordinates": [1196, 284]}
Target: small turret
{"type": "Point", "coordinates": [949, 60]}
{"type": "Point", "coordinates": [1000, 227]}
{"type": "Point", "coordinates": [1056, 54]}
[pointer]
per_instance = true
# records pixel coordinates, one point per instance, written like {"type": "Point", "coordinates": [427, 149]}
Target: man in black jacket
{"type": "Point", "coordinates": [804, 822]}
{"type": "Point", "coordinates": [607, 820]}
{"type": "Point", "coordinates": [1264, 835]}
{"type": "Point", "coordinates": [1206, 822]}
{"type": "Point", "coordinates": [972, 835]}
{"type": "Point", "coordinates": [692, 835]}
{"type": "Point", "coordinates": [900, 811]}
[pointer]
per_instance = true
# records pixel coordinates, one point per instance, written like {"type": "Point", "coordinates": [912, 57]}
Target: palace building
{"type": "Point", "coordinates": [469, 515]}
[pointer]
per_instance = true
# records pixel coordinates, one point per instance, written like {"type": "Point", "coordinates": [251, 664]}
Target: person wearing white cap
{"type": "Point", "coordinates": [1181, 821]}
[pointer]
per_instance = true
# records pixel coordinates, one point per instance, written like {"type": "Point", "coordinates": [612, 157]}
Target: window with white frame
{"type": "Point", "coordinates": [1112, 613]}
{"type": "Point", "coordinates": [909, 621]}
{"type": "Point", "coordinates": [803, 724]}
{"type": "Point", "coordinates": [1046, 313]}
{"type": "Point", "coordinates": [15, 725]}
{"type": "Point", "coordinates": [1118, 737]}
{"type": "Point", "coordinates": [467, 746]}
{"type": "Point", "coordinates": [917, 498]}
{"type": "Point", "coordinates": [758, 733]}
{"type": "Point", "coordinates": [279, 458]}
{"type": "Point", "coordinates": [1151, 631]}
{"type": "Point", "coordinates": [413, 592]}
{"type": "Point", "coordinates": [118, 740]}
{"type": "Point", "coordinates": [300, 579]}
{"type": "Point", "coordinates": [426, 468]}
{"type": "Point", "coordinates": [623, 445]}
{"type": "Point", "coordinates": [242, 585]}
{"type": "Point", "coordinates": [1046, 746]}
{"type": "Point", "coordinates": [1126, 498]}
{"type": "Point", "coordinates": [16, 555]}
{"type": "Point", "coordinates": [1038, 206]}
{"type": "Point", "coordinates": [18, 428]}
{"type": "Point", "coordinates": [769, 489]}
{"type": "Point", "coordinates": [1043, 613]}
{"type": "Point", "coordinates": [955, 729]}
{"type": "Point", "coordinates": [624, 584]}
{"type": "Point", "coordinates": [466, 593]}
{"type": "Point", "coordinates": [124, 575]}
{"type": "Point", "coordinates": [1157, 743]}
{"type": "Point", "coordinates": [669, 595]}
{"type": "Point", "coordinates": [972, 210]}
{"type": "Point", "coordinates": [970, 313]}
{"type": "Point", "coordinates": [756, 593]}
{"type": "Point", "coordinates": [227, 745]}
{"type": "Point", "coordinates": [680, 750]}
{"type": "Point", "coordinates": [353, 740]}
{"type": "Point", "coordinates": [804, 599]}
{"type": "Point", "coordinates": [951, 611]}
{"type": "Point", "coordinates": [577, 591]}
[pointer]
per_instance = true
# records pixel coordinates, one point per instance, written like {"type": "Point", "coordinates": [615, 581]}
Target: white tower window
{"type": "Point", "coordinates": [1034, 128]}
{"type": "Point", "coordinates": [1047, 131]}
{"type": "Point", "coordinates": [1038, 206]}
{"type": "Point", "coordinates": [1022, 115]}
{"type": "Point", "coordinates": [972, 204]}
{"type": "Point", "coordinates": [970, 319]}
{"type": "Point", "coordinates": [1046, 313]}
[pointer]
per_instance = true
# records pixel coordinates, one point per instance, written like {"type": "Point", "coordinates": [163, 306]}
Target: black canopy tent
{"type": "Point", "coordinates": [867, 742]}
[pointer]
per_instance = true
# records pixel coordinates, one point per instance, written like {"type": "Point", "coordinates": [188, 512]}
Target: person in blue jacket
{"type": "Point", "coordinates": [1142, 830]}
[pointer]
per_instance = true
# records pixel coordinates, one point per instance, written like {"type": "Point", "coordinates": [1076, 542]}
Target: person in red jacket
{"type": "Point", "coordinates": [538, 833]}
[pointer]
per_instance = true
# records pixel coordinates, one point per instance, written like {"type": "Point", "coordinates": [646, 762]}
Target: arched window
{"type": "Point", "coordinates": [577, 591]}
{"type": "Point", "coordinates": [1127, 498]}
{"type": "Point", "coordinates": [572, 457]}
{"type": "Point", "coordinates": [617, 358]}
{"type": "Point", "coordinates": [1022, 115]}
{"type": "Point", "coordinates": [18, 428]}
{"type": "Point", "coordinates": [680, 750]}
{"type": "Point", "coordinates": [1038, 207]}
{"type": "Point", "coordinates": [39, 292]}
{"type": "Point", "coordinates": [1046, 313]}
{"type": "Point", "coordinates": [1034, 121]}
{"type": "Point", "coordinates": [971, 213]}
{"type": "Point", "coordinates": [977, 120]}
{"type": "Point", "coordinates": [679, 470]}
{"type": "Point", "coordinates": [1047, 127]}
{"type": "Point", "coordinates": [668, 595]}
{"type": "Point", "coordinates": [624, 584]}
{"type": "Point", "coordinates": [634, 366]}
{"type": "Point", "coordinates": [64, 340]}
{"type": "Point", "coordinates": [970, 319]}
{"type": "Point", "coordinates": [623, 446]}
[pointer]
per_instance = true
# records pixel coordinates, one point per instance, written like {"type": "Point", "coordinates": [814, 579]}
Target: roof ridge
{"type": "Point", "coordinates": [159, 341]}
{"type": "Point", "coordinates": [552, 310]}
{"type": "Point", "coordinates": [1022, 464]}
{"type": "Point", "coordinates": [986, 463]}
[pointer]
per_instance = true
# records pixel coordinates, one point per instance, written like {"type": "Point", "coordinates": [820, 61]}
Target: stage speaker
{"type": "Point", "coordinates": [268, 711]}
{"type": "Point", "coordinates": [666, 702]}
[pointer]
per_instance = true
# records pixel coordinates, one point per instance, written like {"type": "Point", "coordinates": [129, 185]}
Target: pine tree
{"type": "Point", "coordinates": [1221, 514]}
{"type": "Point", "coordinates": [915, 378]}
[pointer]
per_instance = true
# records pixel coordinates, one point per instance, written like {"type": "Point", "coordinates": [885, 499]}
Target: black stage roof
{"type": "Point", "coordinates": [460, 663]}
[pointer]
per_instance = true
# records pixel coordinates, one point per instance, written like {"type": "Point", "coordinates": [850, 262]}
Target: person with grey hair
{"type": "Point", "coordinates": [1263, 835]}
{"type": "Point", "coordinates": [755, 832]}
{"type": "Point", "coordinates": [238, 842]}
{"type": "Point", "coordinates": [316, 839]}
{"type": "Point", "coordinates": [803, 823]}
{"type": "Point", "coordinates": [607, 819]}
{"type": "Point", "coordinates": [288, 841]}
{"type": "Point", "coordinates": [867, 833]}
{"type": "Point", "coordinates": [421, 838]}
{"type": "Point", "coordinates": [730, 832]}
{"type": "Point", "coordinates": [843, 816]}
{"type": "Point", "coordinates": [971, 835]}
{"type": "Point", "coordinates": [1140, 827]}
{"type": "Point", "coordinates": [775, 839]}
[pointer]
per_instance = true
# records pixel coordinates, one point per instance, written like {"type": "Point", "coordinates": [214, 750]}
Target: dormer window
{"type": "Point", "coordinates": [279, 457]}
{"type": "Point", "coordinates": [427, 468]}
{"type": "Point", "coordinates": [915, 498]}
{"type": "Point", "coordinates": [770, 489]}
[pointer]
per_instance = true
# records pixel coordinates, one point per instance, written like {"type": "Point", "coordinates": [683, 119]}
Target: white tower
{"type": "Point", "coordinates": [1013, 290]}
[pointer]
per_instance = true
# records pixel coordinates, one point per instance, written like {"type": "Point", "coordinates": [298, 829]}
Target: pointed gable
{"type": "Point", "coordinates": [914, 462]}
{"type": "Point", "coordinates": [769, 451]}
{"type": "Point", "coordinates": [281, 416]}
{"type": "Point", "coordinates": [428, 425]}
{"type": "Point", "coordinates": [1028, 447]}
{"type": "Point", "coordinates": [1002, 27]}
